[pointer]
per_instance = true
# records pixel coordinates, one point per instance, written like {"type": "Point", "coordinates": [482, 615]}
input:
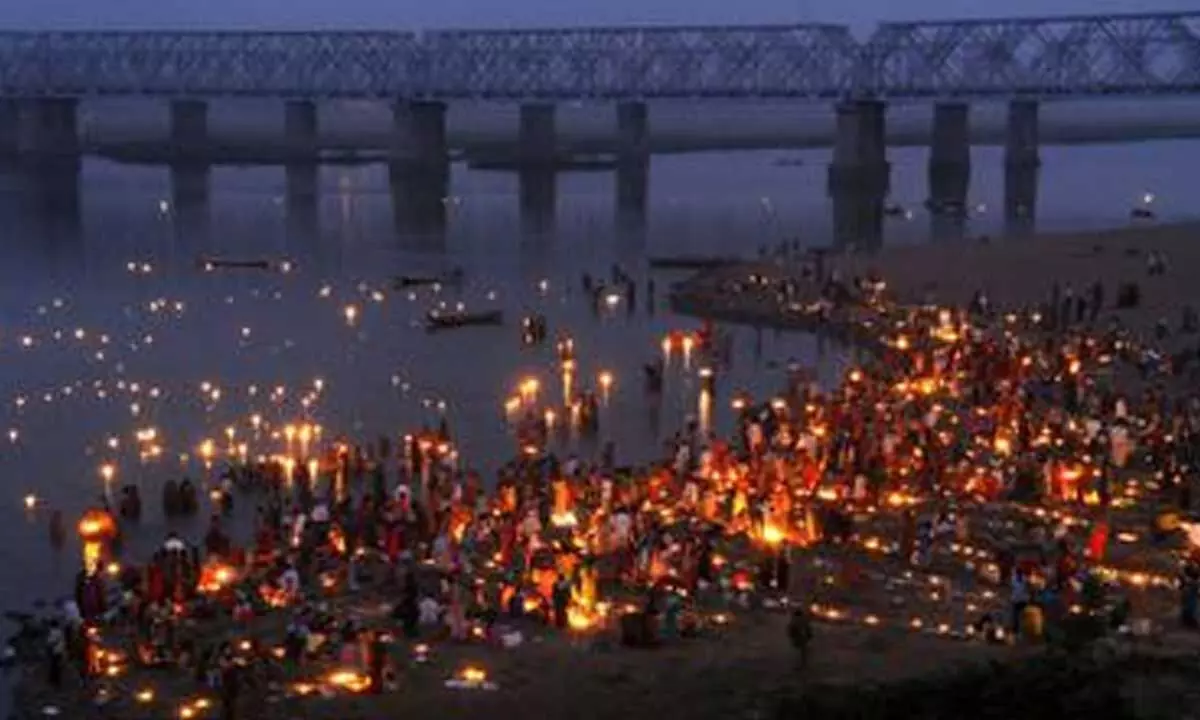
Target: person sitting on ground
{"type": "Point", "coordinates": [800, 633]}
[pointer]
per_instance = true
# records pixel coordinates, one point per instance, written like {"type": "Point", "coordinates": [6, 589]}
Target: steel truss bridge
{"type": "Point", "coordinates": [1142, 55]}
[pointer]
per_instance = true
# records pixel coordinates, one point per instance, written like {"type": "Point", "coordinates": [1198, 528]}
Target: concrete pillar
{"type": "Point", "coordinates": [302, 169]}
{"type": "Point", "coordinates": [190, 212]}
{"type": "Point", "coordinates": [950, 156]}
{"type": "Point", "coordinates": [419, 133]}
{"type": "Point", "coordinates": [52, 203]}
{"type": "Point", "coordinates": [189, 128]}
{"type": "Point", "coordinates": [859, 177]}
{"type": "Point", "coordinates": [10, 127]}
{"type": "Point", "coordinates": [47, 138]}
{"type": "Point", "coordinates": [190, 169]}
{"type": "Point", "coordinates": [537, 167]}
{"type": "Point", "coordinates": [633, 165]}
{"type": "Point", "coordinates": [1022, 163]}
{"type": "Point", "coordinates": [50, 129]}
{"type": "Point", "coordinates": [419, 169]}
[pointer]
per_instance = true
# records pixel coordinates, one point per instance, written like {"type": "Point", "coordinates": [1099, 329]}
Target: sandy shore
{"type": "Point", "coordinates": [1013, 272]}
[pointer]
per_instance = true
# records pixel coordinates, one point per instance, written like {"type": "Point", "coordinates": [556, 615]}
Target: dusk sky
{"type": "Point", "coordinates": [406, 14]}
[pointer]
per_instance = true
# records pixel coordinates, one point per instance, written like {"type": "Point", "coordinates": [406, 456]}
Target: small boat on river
{"type": "Point", "coordinates": [691, 262]}
{"type": "Point", "coordinates": [436, 321]}
{"type": "Point", "coordinates": [210, 264]}
{"type": "Point", "coordinates": [407, 282]}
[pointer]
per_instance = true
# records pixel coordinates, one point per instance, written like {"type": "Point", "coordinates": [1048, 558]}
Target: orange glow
{"type": "Point", "coordinates": [97, 526]}
{"type": "Point", "coordinates": [216, 576]}
{"type": "Point", "coordinates": [349, 680]}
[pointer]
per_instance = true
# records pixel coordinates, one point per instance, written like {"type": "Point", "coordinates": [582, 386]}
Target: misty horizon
{"type": "Point", "coordinates": [379, 15]}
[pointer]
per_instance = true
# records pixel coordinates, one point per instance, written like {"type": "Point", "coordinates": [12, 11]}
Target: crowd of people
{"type": "Point", "coordinates": [954, 418]}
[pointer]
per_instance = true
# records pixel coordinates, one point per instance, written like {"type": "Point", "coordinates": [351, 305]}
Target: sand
{"type": "Point", "coordinates": [1012, 271]}
{"type": "Point", "coordinates": [1023, 271]}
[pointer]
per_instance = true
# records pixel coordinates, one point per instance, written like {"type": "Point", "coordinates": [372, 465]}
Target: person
{"type": "Point", "coordinates": [56, 651]}
{"type": "Point", "coordinates": [409, 607]}
{"type": "Point", "coordinates": [377, 660]}
{"type": "Point", "coordinates": [1019, 600]}
{"type": "Point", "coordinates": [1189, 592]}
{"type": "Point", "coordinates": [800, 633]}
{"type": "Point", "coordinates": [561, 597]}
{"type": "Point", "coordinates": [231, 685]}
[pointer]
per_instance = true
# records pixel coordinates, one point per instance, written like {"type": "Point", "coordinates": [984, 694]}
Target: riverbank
{"type": "Point", "coordinates": [737, 675]}
{"type": "Point", "coordinates": [1018, 272]}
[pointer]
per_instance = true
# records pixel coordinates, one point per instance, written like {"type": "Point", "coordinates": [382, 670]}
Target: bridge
{"type": "Point", "coordinates": [43, 76]}
{"type": "Point", "coordinates": [1144, 54]}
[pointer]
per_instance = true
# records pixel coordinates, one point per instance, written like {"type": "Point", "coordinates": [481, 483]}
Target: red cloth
{"type": "Point", "coordinates": [1098, 542]}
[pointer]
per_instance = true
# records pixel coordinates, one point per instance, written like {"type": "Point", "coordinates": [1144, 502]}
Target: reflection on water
{"type": "Point", "coordinates": [126, 333]}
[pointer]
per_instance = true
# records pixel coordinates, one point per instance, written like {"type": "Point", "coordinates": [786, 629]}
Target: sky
{"type": "Point", "coordinates": [409, 15]}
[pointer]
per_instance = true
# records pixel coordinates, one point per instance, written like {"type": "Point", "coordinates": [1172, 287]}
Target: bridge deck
{"type": "Point", "coordinates": [1137, 54]}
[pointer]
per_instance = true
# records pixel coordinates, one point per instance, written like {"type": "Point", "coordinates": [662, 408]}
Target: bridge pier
{"type": "Point", "coordinates": [633, 166]}
{"type": "Point", "coordinates": [950, 155]}
{"type": "Point", "coordinates": [419, 169]}
{"type": "Point", "coordinates": [302, 170]}
{"type": "Point", "coordinates": [190, 200]}
{"type": "Point", "coordinates": [189, 128]}
{"type": "Point", "coordinates": [1022, 163]}
{"type": "Point", "coordinates": [537, 167]}
{"type": "Point", "coordinates": [10, 128]}
{"type": "Point", "coordinates": [949, 169]}
{"type": "Point", "coordinates": [50, 129]}
{"type": "Point", "coordinates": [47, 137]}
{"type": "Point", "coordinates": [190, 169]}
{"type": "Point", "coordinates": [859, 177]}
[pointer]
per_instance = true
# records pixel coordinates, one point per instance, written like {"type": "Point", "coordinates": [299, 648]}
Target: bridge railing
{"type": "Point", "coordinates": [359, 64]}
{"type": "Point", "coordinates": [1146, 54]}
{"type": "Point", "coordinates": [803, 61]}
{"type": "Point", "coordinates": [1043, 57]}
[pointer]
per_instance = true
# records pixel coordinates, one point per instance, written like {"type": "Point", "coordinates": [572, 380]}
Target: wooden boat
{"type": "Point", "coordinates": [436, 321]}
{"type": "Point", "coordinates": [691, 262]}
{"type": "Point", "coordinates": [405, 282]}
{"type": "Point", "coordinates": [210, 264]}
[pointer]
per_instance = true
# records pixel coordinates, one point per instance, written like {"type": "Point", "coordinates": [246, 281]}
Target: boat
{"type": "Point", "coordinates": [1142, 213]}
{"type": "Point", "coordinates": [405, 282]}
{"type": "Point", "coordinates": [210, 264]}
{"type": "Point", "coordinates": [691, 262]}
{"type": "Point", "coordinates": [436, 321]}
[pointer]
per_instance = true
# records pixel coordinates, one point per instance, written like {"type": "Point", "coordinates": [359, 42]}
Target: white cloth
{"type": "Point", "coordinates": [289, 581]}
{"type": "Point", "coordinates": [430, 611]}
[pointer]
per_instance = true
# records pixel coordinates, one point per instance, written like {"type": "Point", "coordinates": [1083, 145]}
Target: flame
{"type": "Point", "coordinates": [772, 535]}
{"type": "Point", "coordinates": [216, 576]}
{"type": "Point", "coordinates": [349, 680]}
{"type": "Point", "coordinates": [564, 520]}
{"type": "Point", "coordinates": [579, 619]}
